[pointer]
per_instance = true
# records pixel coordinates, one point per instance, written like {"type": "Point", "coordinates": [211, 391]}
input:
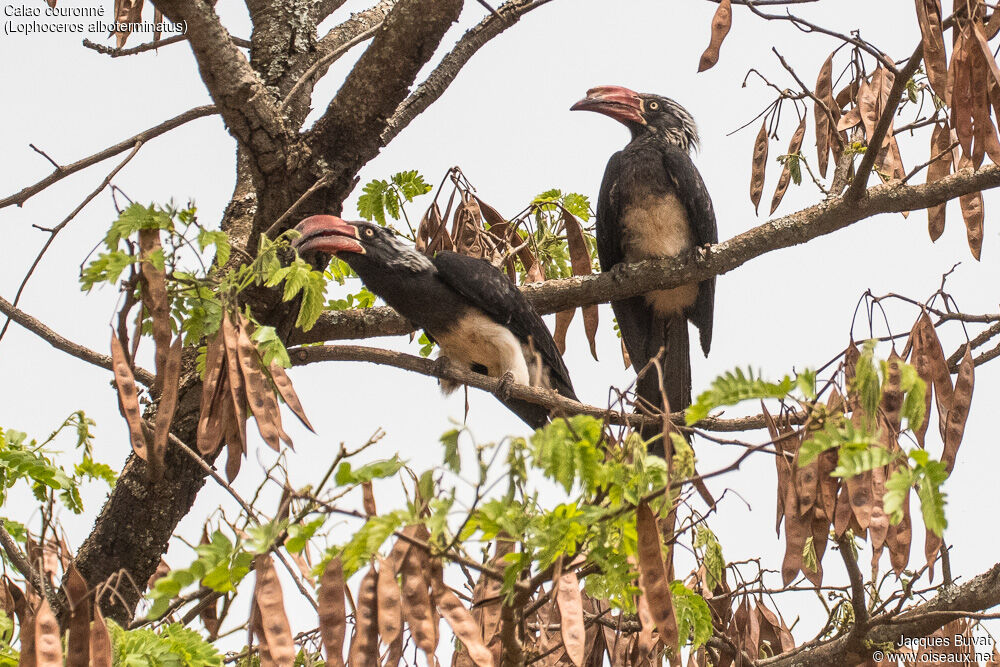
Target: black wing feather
{"type": "Point", "coordinates": [491, 291]}
{"type": "Point", "coordinates": [690, 189]}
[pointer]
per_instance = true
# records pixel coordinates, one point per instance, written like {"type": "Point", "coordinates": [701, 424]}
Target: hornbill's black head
{"type": "Point", "coordinates": [361, 244]}
{"type": "Point", "coordinates": [643, 114]}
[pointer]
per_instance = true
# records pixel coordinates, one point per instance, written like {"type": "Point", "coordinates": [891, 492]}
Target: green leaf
{"type": "Point", "coordinates": [897, 489]}
{"type": "Point", "coordinates": [173, 646]}
{"type": "Point", "coordinates": [577, 204]}
{"type": "Point", "coordinates": [713, 560]}
{"type": "Point", "coordinates": [300, 534]}
{"type": "Point", "coordinates": [694, 618]}
{"type": "Point", "coordinates": [568, 451]}
{"type": "Point", "coordinates": [411, 184]}
{"type": "Point", "coordinates": [220, 240]}
{"type": "Point", "coordinates": [262, 537]}
{"type": "Point", "coordinates": [732, 388]}
{"type": "Point", "coordinates": [95, 470]}
{"type": "Point", "coordinates": [372, 202]}
{"type": "Point", "coordinates": [107, 268]}
{"type": "Point", "coordinates": [451, 455]}
{"type": "Point", "coordinates": [134, 218]}
{"type": "Point", "coordinates": [866, 383]}
{"type": "Point", "coordinates": [810, 560]}
{"type": "Point", "coordinates": [426, 345]}
{"type": "Point", "coordinates": [270, 346]}
{"type": "Point", "coordinates": [806, 383]}
{"type": "Point", "coordinates": [366, 473]}
{"type": "Point", "coordinates": [369, 539]}
{"type": "Point", "coordinates": [932, 499]}
{"type": "Point", "coordinates": [913, 409]}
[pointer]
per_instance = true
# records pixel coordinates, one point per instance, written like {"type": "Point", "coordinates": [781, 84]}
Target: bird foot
{"type": "Point", "coordinates": [440, 369]}
{"type": "Point", "coordinates": [504, 388]}
{"type": "Point", "coordinates": [441, 365]}
{"type": "Point", "coordinates": [702, 251]}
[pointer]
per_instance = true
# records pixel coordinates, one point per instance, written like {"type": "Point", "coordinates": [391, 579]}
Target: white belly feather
{"type": "Point", "coordinates": [477, 340]}
{"type": "Point", "coordinates": [657, 226]}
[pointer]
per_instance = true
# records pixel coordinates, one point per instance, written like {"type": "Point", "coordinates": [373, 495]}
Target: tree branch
{"type": "Point", "coordinates": [62, 172]}
{"type": "Point", "coordinates": [348, 134]}
{"type": "Point", "coordinates": [301, 356]}
{"type": "Point", "coordinates": [66, 345]}
{"type": "Point", "coordinates": [438, 81]}
{"type": "Point", "coordinates": [630, 280]}
{"type": "Point", "coordinates": [65, 221]}
{"type": "Point", "coordinates": [982, 592]}
{"type": "Point", "coordinates": [860, 182]}
{"type": "Point", "coordinates": [806, 26]}
{"type": "Point", "coordinates": [149, 46]}
{"type": "Point", "coordinates": [248, 107]}
{"type": "Point", "coordinates": [447, 371]}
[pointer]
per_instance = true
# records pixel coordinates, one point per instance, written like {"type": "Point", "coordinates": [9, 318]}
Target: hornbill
{"type": "Point", "coordinates": [652, 204]}
{"type": "Point", "coordinates": [464, 304]}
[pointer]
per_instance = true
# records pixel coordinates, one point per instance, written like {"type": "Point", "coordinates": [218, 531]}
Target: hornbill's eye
{"type": "Point", "coordinates": [369, 233]}
{"type": "Point", "coordinates": [653, 106]}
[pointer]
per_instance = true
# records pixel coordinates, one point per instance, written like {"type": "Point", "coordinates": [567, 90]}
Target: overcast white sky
{"type": "Point", "coordinates": [506, 122]}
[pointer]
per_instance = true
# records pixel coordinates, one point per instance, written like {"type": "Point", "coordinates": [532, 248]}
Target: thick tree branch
{"type": "Point", "coordinates": [348, 134]}
{"type": "Point", "coordinates": [438, 81]}
{"type": "Point", "coordinates": [982, 592]}
{"type": "Point", "coordinates": [446, 371]}
{"type": "Point", "coordinates": [247, 106]}
{"type": "Point", "coordinates": [313, 354]}
{"type": "Point", "coordinates": [63, 171]}
{"type": "Point", "coordinates": [64, 344]}
{"type": "Point", "coordinates": [633, 279]}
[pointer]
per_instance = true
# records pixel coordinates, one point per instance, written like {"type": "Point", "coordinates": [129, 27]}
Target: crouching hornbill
{"type": "Point", "coordinates": [466, 305]}
{"type": "Point", "coordinates": [653, 204]}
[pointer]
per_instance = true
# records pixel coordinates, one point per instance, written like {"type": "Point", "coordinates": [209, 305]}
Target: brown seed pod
{"type": "Point", "coordinates": [722, 21]}
{"type": "Point", "coordinates": [128, 398]}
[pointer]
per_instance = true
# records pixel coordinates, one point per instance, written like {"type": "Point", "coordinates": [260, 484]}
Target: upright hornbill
{"type": "Point", "coordinates": [466, 305]}
{"type": "Point", "coordinates": [653, 203]}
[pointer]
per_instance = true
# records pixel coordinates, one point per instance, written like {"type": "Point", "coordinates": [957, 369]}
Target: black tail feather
{"type": "Point", "coordinates": [676, 364]}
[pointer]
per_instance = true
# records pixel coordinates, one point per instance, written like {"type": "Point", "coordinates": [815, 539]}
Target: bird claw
{"type": "Point", "coordinates": [504, 387]}
{"type": "Point", "coordinates": [702, 251]}
{"type": "Point", "coordinates": [441, 365]}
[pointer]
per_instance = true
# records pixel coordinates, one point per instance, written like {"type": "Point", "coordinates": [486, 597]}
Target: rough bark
{"type": "Point", "coordinates": [349, 133]}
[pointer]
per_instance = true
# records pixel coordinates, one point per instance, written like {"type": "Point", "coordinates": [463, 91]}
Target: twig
{"type": "Point", "coordinates": [66, 345]}
{"type": "Point", "coordinates": [860, 183]}
{"type": "Point", "coordinates": [807, 26]}
{"type": "Point", "coordinates": [490, 8]}
{"type": "Point", "coordinates": [916, 170]}
{"type": "Point", "coordinates": [273, 229]}
{"type": "Point", "coordinates": [857, 584]}
{"type": "Point", "coordinates": [150, 46]}
{"type": "Point", "coordinates": [58, 228]}
{"type": "Point", "coordinates": [246, 508]}
{"type": "Point", "coordinates": [20, 197]}
{"type": "Point", "coordinates": [324, 62]}
{"type": "Point", "coordinates": [46, 156]}
{"type": "Point", "coordinates": [24, 566]}
{"type": "Point", "coordinates": [197, 458]}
